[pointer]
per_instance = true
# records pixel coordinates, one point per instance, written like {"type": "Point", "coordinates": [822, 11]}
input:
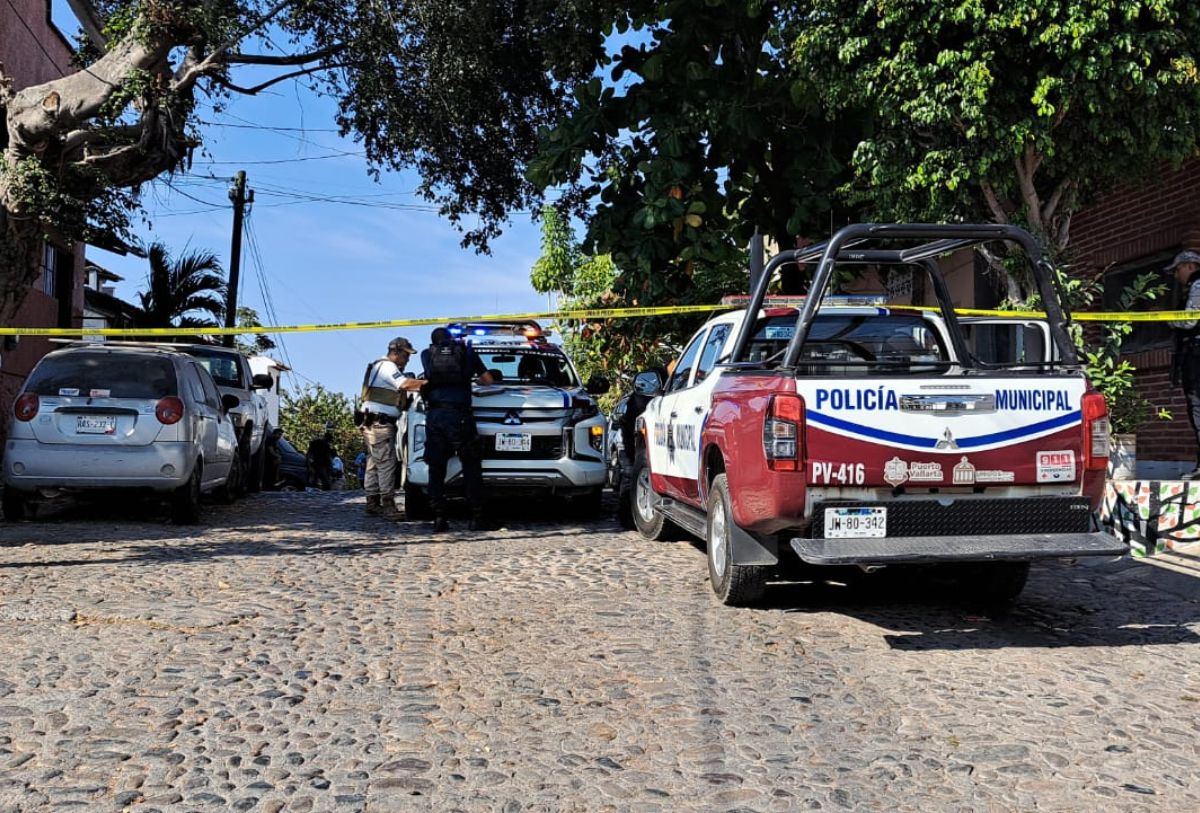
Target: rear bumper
{"type": "Point", "coordinates": [29, 466]}
{"type": "Point", "coordinates": [898, 550]}
{"type": "Point", "coordinates": [532, 475]}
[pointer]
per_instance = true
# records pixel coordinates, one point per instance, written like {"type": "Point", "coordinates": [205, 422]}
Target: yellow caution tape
{"type": "Point", "coordinates": [569, 315]}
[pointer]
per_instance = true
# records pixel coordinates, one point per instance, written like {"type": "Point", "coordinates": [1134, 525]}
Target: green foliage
{"type": "Point", "coordinates": [177, 290]}
{"type": "Point", "coordinates": [306, 414]}
{"type": "Point", "coordinates": [705, 132]}
{"type": "Point", "coordinates": [1045, 103]}
{"type": "Point", "coordinates": [614, 348]}
{"type": "Point", "coordinates": [252, 343]}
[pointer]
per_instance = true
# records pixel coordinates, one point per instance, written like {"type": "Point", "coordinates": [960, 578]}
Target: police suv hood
{"type": "Point", "coordinates": [524, 396]}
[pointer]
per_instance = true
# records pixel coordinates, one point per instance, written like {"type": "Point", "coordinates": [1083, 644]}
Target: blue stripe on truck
{"type": "Point", "coordinates": [931, 443]}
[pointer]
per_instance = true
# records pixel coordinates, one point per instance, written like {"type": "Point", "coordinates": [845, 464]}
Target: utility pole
{"type": "Point", "coordinates": [238, 195]}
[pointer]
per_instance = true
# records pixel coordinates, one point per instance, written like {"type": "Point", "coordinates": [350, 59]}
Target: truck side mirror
{"type": "Point", "coordinates": [229, 401]}
{"type": "Point", "coordinates": [597, 385]}
{"type": "Point", "coordinates": [262, 381]}
{"type": "Point", "coordinates": [648, 383]}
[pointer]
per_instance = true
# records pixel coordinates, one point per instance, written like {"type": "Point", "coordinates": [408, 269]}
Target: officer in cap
{"type": "Point", "coordinates": [450, 367]}
{"type": "Point", "coordinates": [383, 399]}
{"type": "Point", "coordinates": [1185, 364]}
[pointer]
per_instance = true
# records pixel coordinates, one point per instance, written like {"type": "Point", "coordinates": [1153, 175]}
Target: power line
{"type": "Point", "coordinates": [268, 127]}
{"type": "Point", "coordinates": [357, 153]}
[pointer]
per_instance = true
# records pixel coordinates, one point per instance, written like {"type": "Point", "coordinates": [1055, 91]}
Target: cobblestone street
{"type": "Point", "coordinates": [294, 654]}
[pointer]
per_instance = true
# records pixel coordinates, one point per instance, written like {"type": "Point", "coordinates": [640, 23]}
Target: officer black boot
{"type": "Point", "coordinates": [372, 503]}
{"type": "Point", "coordinates": [440, 525]}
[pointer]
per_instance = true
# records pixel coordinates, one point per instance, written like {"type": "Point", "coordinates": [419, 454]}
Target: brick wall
{"type": "Point", "coordinates": [1132, 224]}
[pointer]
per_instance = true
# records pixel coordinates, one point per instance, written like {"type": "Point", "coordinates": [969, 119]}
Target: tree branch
{"type": "Point", "coordinates": [1051, 207]}
{"type": "Point", "coordinates": [1026, 166]}
{"type": "Point", "coordinates": [282, 78]}
{"type": "Point", "coordinates": [294, 59]}
{"type": "Point", "coordinates": [993, 202]}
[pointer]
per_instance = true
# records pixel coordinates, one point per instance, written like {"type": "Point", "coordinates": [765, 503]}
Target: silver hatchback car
{"type": "Point", "coordinates": [101, 418]}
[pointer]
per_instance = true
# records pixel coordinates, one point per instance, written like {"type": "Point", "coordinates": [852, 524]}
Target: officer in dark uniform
{"type": "Point", "coordinates": [450, 368]}
{"type": "Point", "coordinates": [1185, 364]}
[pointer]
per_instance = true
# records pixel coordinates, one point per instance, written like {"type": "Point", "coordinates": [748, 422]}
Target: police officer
{"type": "Point", "coordinates": [450, 367]}
{"type": "Point", "coordinates": [383, 398]}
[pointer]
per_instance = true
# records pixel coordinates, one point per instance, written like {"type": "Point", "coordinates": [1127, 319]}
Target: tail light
{"type": "Point", "coordinates": [1096, 431]}
{"type": "Point", "coordinates": [783, 433]}
{"type": "Point", "coordinates": [26, 407]}
{"type": "Point", "coordinates": [168, 410]}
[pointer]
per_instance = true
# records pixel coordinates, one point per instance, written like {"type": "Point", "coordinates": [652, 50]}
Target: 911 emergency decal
{"type": "Point", "coordinates": [1055, 467]}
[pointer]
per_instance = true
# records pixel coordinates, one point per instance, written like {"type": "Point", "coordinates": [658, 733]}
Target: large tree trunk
{"type": "Point", "coordinates": [20, 247]}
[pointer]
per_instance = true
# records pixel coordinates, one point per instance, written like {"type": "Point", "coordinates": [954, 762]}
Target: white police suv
{"type": "Point", "coordinates": [540, 428]}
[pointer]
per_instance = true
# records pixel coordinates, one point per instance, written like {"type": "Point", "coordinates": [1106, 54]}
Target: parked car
{"type": "Point", "coordinates": [99, 418]}
{"type": "Point", "coordinates": [540, 428]}
{"type": "Point", "coordinates": [230, 369]}
{"type": "Point", "coordinates": [293, 468]}
{"type": "Point", "coordinates": [621, 446]}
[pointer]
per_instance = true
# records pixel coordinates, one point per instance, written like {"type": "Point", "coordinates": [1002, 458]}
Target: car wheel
{"type": "Point", "coordinates": [416, 502]}
{"type": "Point", "coordinates": [734, 585]}
{"type": "Point", "coordinates": [16, 505]}
{"type": "Point", "coordinates": [253, 475]}
{"type": "Point", "coordinates": [185, 501]}
{"type": "Point", "coordinates": [649, 523]}
{"type": "Point", "coordinates": [233, 487]}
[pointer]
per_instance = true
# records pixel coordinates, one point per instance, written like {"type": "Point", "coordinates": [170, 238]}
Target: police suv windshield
{"type": "Point", "coordinates": [853, 344]}
{"type": "Point", "coordinates": [222, 366]}
{"type": "Point", "coordinates": [527, 365]}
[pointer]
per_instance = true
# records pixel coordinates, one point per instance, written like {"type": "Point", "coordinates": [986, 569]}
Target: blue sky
{"type": "Point", "coordinates": [324, 261]}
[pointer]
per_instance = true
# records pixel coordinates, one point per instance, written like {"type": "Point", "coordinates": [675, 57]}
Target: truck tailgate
{"type": "Point", "coordinates": [944, 432]}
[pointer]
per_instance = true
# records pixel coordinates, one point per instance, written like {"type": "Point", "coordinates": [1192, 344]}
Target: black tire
{"type": "Point", "coordinates": [253, 473]}
{"type": "Point", "coordinates": [649, 523]}
{"type": "Point", "coordinates": [990, 585]}
{"type": "Point", "coordinates": [185, 501]}
{"type": "Point", "coordinates": [234, 484]}
{"type": "Point", "coordinates": [625, 507]}
{"type": "Point", "coordinates": [734, 585]}
{"type": "Point", "coordinates": [416, 503]}
{"type": "Point", "coordinates": [16, 505]}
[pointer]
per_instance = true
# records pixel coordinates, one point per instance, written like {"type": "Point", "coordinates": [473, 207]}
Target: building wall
{"type": "Point", "coordinates": [1130, 226]}
{"type": "Point", "coordinates": [31, 60]}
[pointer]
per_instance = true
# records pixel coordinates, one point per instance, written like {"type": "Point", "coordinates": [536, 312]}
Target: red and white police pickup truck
{"type": "Point", "coordinates": [855, 434]}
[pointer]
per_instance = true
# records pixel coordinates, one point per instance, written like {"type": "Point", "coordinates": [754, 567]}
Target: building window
{"type": "Point", "coordinates": [49, 269]}
{"type": "Point", "coordinates": [1145, 335]}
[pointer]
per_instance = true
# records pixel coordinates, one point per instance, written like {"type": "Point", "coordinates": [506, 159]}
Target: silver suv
{"type": "Point", "coordinates": [540, 429]}
{"type": "Point", "coordinates": [108, 418]}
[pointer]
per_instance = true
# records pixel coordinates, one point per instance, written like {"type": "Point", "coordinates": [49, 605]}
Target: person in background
{"type": "Point", "coordinates": [450, 368]}
{"type": "Point", "coordinates": [1185, 363]}
{"type": "Point", "coordinates": [360, 467]}
{"type": "Point", "coordinates": [320, 461]}
{"type": "Point", "coordinates": [274, 460]}
{"type": "Point", "coordinates": [383, 400]}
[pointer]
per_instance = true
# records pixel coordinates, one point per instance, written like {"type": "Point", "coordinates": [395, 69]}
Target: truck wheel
{"type": "Point", "coordinates": [416, 503]}
{"type": "Point", "coordinates": [16, 505]}
{"type": "Point", "coordinates": [649, 523]}
{"type": "Point", "coordinates": [735, 585]}
{"type": "Point", "coordinates": [991, 585]}
{"type": "Point", "coordinates": [253, 473]}
{"type": "Point", "coordinates": [185, 501]}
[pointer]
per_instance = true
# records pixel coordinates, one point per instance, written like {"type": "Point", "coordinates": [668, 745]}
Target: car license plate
{"type": "Point", "coordinates": [95, 424]}
{"type": "Point", "coordinates": [850, 523]}
{"type": "Point", "coordinates": [513, 442]}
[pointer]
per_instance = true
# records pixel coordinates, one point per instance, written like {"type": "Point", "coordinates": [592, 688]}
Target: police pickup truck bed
{"type": "Point", "coordinates": [866, 435]}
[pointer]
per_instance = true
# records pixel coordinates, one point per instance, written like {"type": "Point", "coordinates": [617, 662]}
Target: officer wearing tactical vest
{"type": "Point", "coordinates": [383, 398]}
{"type": "Point", "coordinates": [450, 367]}
{"type": "Point", "coordinates": [1186, 362]}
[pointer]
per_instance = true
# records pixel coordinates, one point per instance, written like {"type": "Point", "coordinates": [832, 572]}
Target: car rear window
{"type": "Point", "coordinates": [223, 367]}
{"type": "Point", "coordinates": [868, 340]}
{"type": "Point", "coordinates": [104, 375]}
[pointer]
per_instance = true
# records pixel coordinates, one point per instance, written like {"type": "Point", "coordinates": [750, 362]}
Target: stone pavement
{"type": "Point", "coordinates": [293, 654]}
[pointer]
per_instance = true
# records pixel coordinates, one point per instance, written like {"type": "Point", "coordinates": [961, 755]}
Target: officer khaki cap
{"type": "Point", "coordinates": [399, 344]}
{"type": "Point", "coordinates": [1184, 257]}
